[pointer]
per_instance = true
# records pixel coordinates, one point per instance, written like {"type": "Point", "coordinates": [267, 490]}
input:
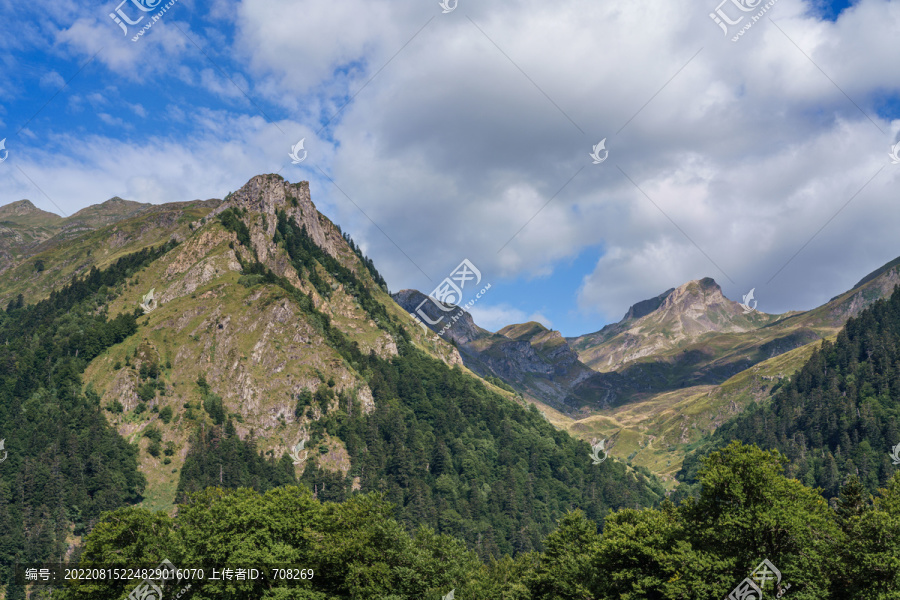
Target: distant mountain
{"type": "Point", "coordinates": [26, 230]}
{"type": "Point", "coordinates": [656, 429]}
{"type": "Point", "coordinates": [839, 415]}
{"type": "Point", "coordinates": [98, 215]}
{"type": "Point", "coordinates": [674, 319]}
{"type": "Point", "coordinates": [528, 357]}
{"type": "Point", "coordinates": [94, 237]}
{"type": "Point", "coordinates": [23, 226]}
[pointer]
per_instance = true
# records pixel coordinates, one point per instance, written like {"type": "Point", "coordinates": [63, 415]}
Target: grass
{"type": "Point", "coordinates": [658, 431]}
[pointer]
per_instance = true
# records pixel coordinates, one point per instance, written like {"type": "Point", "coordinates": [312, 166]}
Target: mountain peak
{"type": "Point", "coordinates": [18, 207]}
{"type": "Point", "coordinates": [645, 307]}
{"type": "Point", "coordinates": [24, 208]}
{"type": "Point", "coordinates": [268, 194]}
{"type": "Point", "coordinates": [696, 294]}
{"type": "Point", "coordinates": [523, 330]}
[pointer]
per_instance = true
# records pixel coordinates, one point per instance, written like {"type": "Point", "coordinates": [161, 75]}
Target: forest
{"type": "Point", "coordinates": [66, 465]}
{"type": "Point", "coordinates": [747, 511]}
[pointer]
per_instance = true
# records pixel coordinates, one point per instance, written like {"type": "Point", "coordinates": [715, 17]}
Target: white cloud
{"type": "Point", "coordinates": [494, 318]}
{"type": "Point", "coordinates": [460, 138]}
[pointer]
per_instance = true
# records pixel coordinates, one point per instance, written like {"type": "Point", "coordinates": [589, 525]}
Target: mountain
{"type": "Point", "coordinates": [657, 430]}
{"type": "Point", "coordinates": [680, 341]}
{"type": "Point", "coordinates": [674, 319]}
{"type": "Point", "coordinates": [93, 237]}
{"type": "Point", "coordinates": [268, 354]}
{"type": "Point", "coordinates": [528, 357]}
{"type": "Point", "coordinates": [840, 413]}
{"type": "Point", "coordinates": [26, 230]}
{"type": "Point", "coordinates": [22, 226]}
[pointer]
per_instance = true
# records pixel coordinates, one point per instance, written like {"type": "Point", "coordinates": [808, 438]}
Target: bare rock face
{"type": "Point", "coordinates": [534, 360]}
{"type": "Point", "coordinates": [463, 329]}
{"type": "Point", "coordinates": [268, 194]}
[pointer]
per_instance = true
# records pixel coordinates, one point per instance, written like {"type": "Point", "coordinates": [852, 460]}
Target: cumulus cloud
{"type": "Point", "coordinates": [741, 155]}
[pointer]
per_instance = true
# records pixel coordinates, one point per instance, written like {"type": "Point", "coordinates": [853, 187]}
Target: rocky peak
{"type": "Point", "coordinates": [462, 331]}
{"type": "Point", "coordinates": [269, 194]}
{"type": "Point", "coordinates": [524, 330]}
{"type": "Point", "coordinates": [700, 294]}
{"type": "Point", "coordinates": [18, 208]}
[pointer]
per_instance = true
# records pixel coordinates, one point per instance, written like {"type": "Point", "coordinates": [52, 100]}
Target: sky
{"type": "Point", "coordinates": [582, 155]}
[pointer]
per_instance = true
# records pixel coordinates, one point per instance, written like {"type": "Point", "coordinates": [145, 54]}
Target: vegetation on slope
{"type": "Point", "coordinates": [445, 450]}
{"type": "Point", "coordinates": [840, 414]}
{"type": "Point", "coordinates": [748, 512]}
{"type": "Point", "coordinates": [65, 465]}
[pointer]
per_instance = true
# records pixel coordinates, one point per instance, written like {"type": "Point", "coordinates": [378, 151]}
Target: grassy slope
{"type": "Point", "coordinates": [65, 258]}
{"type": "Point", "coordinates": [657, 432]}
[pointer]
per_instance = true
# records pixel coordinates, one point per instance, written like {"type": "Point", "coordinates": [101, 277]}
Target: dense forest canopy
{"type": "Point", "coordinates": [748, 512]}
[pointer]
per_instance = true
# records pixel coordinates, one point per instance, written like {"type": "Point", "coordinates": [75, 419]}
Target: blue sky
{"type": "Point", "coordinates": [434, 137]}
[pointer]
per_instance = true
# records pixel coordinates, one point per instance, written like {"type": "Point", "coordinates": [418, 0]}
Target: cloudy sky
{"type": "Point", "coordinates": [756, 153]}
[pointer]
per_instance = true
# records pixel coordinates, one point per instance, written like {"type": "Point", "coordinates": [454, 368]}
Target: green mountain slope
{"type": "Point", "coordinates": [269, 328]}
{"type": "Point", "coordinates": [62, 465]}
{"type": "Point", "coordinates": [94, 237]}
{"type": "Point", "coordinates": [839, 414]}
